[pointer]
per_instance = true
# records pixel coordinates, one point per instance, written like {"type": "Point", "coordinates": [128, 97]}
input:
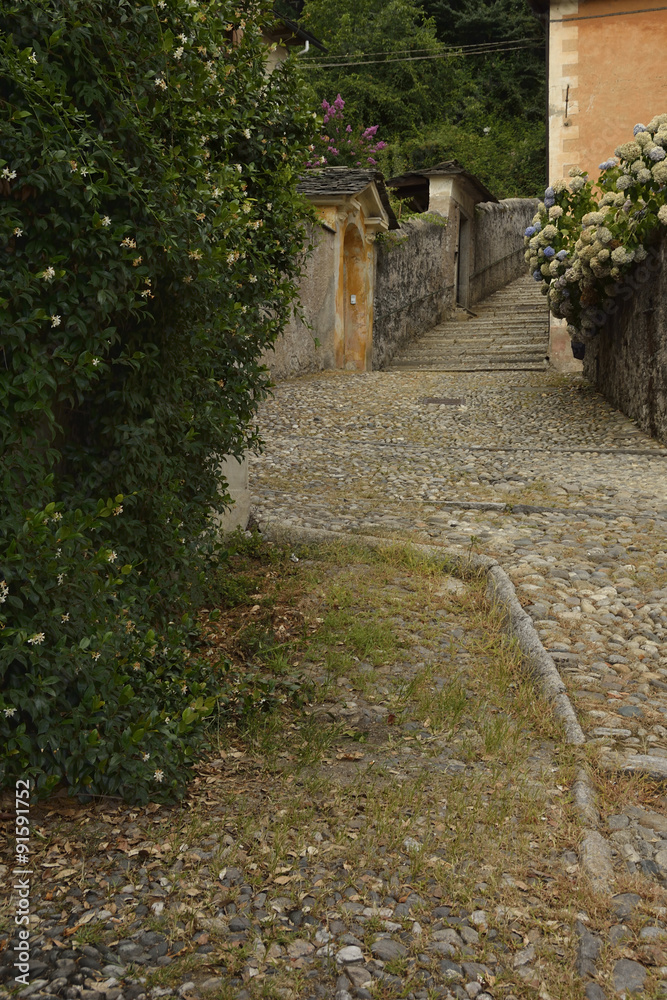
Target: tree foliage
{"type": "Point", "coordinates": [437, 101]}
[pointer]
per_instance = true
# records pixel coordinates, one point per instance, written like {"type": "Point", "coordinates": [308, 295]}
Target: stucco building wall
{"type": "Point", "coordinates": [300, 350]}
{"type": "Point", "coordinates": [627, 361]}
{"type": "Point", "coordinates": [611, 55]}
{"type": "Point", "coordinates": [414, 282]}
{"type": "Point", "coordinates": [498, 250]}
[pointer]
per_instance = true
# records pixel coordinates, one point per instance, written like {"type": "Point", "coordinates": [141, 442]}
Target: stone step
{"type": "Point", "coordinates": [506, 332]}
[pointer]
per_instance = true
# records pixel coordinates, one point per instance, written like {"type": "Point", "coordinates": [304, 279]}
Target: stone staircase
{"type": "Point", "coordinates": [509, 331]}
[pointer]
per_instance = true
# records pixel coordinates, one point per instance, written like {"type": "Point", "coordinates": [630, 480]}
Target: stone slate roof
{"type": "Point", "coordinates": [447, 168]}
{"type": "Point", "coordinates": [334, 182]}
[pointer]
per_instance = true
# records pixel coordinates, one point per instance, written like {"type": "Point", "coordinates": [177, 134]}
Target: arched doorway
{"type": "Point", "coordinates": [357, 332]}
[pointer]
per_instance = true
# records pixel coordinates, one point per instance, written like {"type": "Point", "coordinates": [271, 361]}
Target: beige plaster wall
{"type": "Point", "coordinates": [616, 69]}
{"type": "Point", "coordinates": [296, 350]}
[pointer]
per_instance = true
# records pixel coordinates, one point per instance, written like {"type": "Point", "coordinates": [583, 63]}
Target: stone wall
{"type": "Point", "coordinates": [300, 350]}
{"type": "Point", "coordinates": [414, 282]}
{"type": "Point", "coordinates": [497, 256]}
{"type": "Point", "coordinates": [627, 360]}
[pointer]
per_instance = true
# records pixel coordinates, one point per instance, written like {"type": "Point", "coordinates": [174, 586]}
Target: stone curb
{"type": "Point", "coordinates": [499, 587]}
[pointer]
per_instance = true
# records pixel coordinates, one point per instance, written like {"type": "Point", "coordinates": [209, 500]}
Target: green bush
{"type": "Point", "coordinates": [586, 240]}
{"type": "Point", "coordinates": [151, 239]}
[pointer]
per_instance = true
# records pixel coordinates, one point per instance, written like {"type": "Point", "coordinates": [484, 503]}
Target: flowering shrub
{"type": "Point", "coordinates": [583, 242]}
{"type": "Point", "coordinates": [339, 144]}
{"type": "Point", "coordinates": [150, 235]}
{"type": "Point", "coordinates": [90, 694]}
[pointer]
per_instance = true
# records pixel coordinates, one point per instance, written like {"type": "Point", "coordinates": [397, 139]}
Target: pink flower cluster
{"type": "Point", "coordinates": [339, 142]}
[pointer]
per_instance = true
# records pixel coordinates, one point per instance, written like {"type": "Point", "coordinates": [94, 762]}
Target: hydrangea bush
{"type": "Point", "coordinates": [585, 240]}
{"type": "Point", "coordinates": [339, 145]}
{"type": "Point", "coordinates": [151, 239]}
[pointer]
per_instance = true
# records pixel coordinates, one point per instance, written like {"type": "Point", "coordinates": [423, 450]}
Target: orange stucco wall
{"type": "Point", "coordinates": [617, 75]}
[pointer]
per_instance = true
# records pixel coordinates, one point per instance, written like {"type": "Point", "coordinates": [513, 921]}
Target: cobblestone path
{"type": "Point", "coordinates": [533, 468]}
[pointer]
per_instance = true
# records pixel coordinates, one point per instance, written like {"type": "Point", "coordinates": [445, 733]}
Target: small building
{"type": "Point", "coordinates": [337, 287]}
{"type": "Point", "coordinates": [447, 188]}
{"type": "Point", "coordinates": [286, 35]}
{"type": "Point", "coordinates": [607, 71]}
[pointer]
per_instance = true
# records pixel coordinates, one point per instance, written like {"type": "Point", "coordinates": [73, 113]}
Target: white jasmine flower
{"type": "Point", "coordinates": [37, 639]}
{"type": "Point", "coordinates": [146, 756]}
{"type": "Point", "coordinates": [178, 52]}
{"type": "Point", "coordinates": [18, 232]}
{"type": "Point", "coordinates": [195, 254]}
{"type": "Point", "coordinates": [8, 175]}
{"type": "Point", "coordinates": [4, 591]}
{"type": "Point", "coordinates": [32, 57]}
{"type": "Point", "coordinates": [9, 712]}
{"type": "Point", "coordinates": [95, 362]}
{"type": "Point", "coordinates": [60, 578]}
{"type": "Point", "coordinates": [65, 618]}
{"type": "Point", "coordinates": [96, 656]}
{"type": "Point", "coordinates": [239, 167]}
{"type": "Point", "coordinates": [55, 320]}
{"type": "Point", "coordinates": [159, 82]}
{"type": "Point", "coordinates": [112, 556]}
{"type": "Point", "coordinates": [246, 132]}
{"type": "Point", "coordinates": [183, 38]}
{"type": "Point", "coordinates": [105, 220]}
{"type": "Point", "coordinates": [57, 516]}
{"type": "Point", "coordinates": [159, 775]}
{"type": "Point", "coordinates": [49, 274]}
{"type": "Point", "coordinates": [128, 242]}
{"type": "Point", "coordinates": [252, 279]}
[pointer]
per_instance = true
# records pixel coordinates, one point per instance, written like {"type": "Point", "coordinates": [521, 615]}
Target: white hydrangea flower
{"type": "Point", "coordinates": [576, 184]}
{"type": "Point", "coordinates": [659, 172]}
{"type": "Point", "coordinates": [662, 216]}
{"type": "Point", "coordinates": [628, 151]}
{"type": "Point", "coordinates": [555, 212]}
{"type": "Point", "coordinates": [622, 256]}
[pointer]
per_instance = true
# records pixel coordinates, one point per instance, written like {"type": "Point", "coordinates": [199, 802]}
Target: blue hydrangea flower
{"type": "Point", "coordinates": [608, 164]}
{"type": "Point", "coordinates": [638, 128]}
{"type": "Point", "coordinates": [549, 252]}
{"type": "Point", "coordinates": [537, 275]}
{"type": "Point", "coordinates": [562, 254]}
{"type": "Point", "coordinates": [656, 154]}
{"type": "Point", "coordinates": [549, 197]}
{"type": "Point", "coordinates": [530, 231]}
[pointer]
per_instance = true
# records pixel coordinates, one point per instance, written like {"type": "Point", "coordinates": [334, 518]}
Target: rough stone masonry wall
{"type": "Point", "coordinates": [498, 248]}
{"type": "Point", "coordinates": [414, 282]}
{"type": "Point", "coordinates": [627, 360]}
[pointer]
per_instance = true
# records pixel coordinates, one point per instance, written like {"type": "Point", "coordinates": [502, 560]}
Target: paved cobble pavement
{"type": "Point", "coordinates": [537, 471]}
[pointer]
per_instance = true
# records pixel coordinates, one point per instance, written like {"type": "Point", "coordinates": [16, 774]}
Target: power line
{"type": "Point", "coordinates": [440, 55]}
{"type": "Point", "coordinates": [614, 13]}
{"type": "Point", "coordinates": [442, 48]}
